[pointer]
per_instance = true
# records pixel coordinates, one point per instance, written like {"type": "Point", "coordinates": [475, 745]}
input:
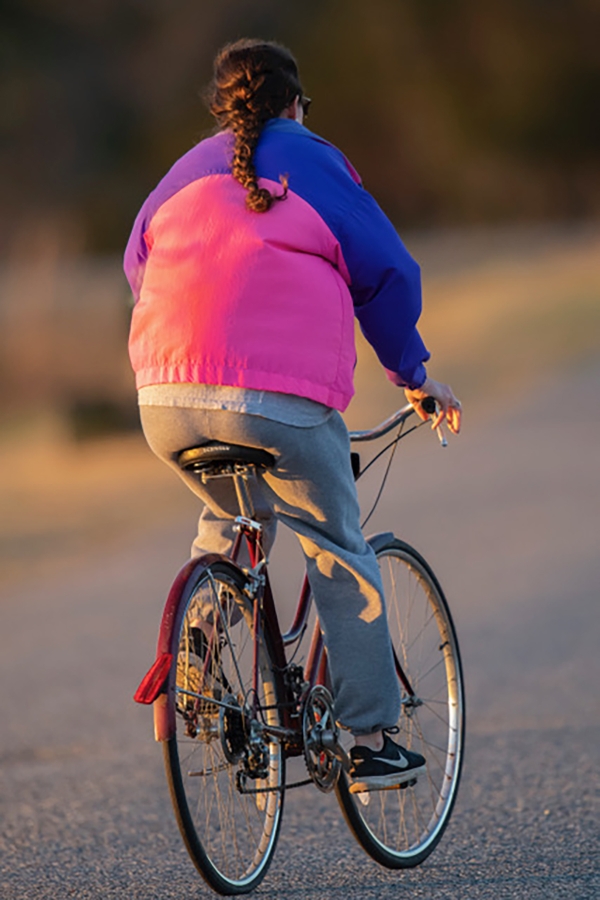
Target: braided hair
{"type": "Point", "coordinates": [253, 81]}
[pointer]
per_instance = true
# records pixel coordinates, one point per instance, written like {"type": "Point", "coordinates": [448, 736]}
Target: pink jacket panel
{"type": "Point", "coordinates": [259, 300]}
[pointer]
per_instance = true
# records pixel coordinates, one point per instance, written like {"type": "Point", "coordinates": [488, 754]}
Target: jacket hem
{"type": "Point", "coordinates": [256, 380]}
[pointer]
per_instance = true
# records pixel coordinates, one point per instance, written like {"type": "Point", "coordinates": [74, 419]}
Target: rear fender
{"type": "Point", "coordinates": [158, 685]}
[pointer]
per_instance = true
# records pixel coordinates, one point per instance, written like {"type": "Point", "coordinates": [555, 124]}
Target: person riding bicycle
{"type": "Point", "coordinates": [248, 263]}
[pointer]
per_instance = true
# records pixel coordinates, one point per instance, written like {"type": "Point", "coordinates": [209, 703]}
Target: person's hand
{"type": "Point", "coordinates": [449, 407]}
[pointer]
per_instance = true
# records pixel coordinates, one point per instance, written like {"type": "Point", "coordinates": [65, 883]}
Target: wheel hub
{"type": "Point", "coordinates": [232, 729]}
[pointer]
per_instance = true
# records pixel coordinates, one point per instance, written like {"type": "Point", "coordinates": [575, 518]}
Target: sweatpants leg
{"type": "Point", "coordinates": [311, 490]}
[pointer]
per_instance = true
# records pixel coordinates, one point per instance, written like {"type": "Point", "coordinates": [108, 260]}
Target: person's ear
{"type": "Point", "coordinates": [291, 111]}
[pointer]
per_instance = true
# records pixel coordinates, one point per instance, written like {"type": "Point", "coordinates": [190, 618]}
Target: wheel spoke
{"type": "Point", "coordinates": [231, 835]}
{"type": "Point", "coordinates": [399, 828]}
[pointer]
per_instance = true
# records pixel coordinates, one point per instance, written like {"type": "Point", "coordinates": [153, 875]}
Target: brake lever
{"type": "Point", "coordinates": [429, 406]}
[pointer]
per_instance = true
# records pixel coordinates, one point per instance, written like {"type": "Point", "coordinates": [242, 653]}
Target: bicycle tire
{"type": "Point", "coordinates": [229, 836]}
{"type": "Point", "coordinates": [400, 828]}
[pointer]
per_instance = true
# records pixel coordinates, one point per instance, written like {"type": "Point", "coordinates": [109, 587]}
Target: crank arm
{"type": "Point", "coordinates": [328, 741]}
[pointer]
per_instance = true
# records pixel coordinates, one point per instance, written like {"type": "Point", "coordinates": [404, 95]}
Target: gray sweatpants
{"type": "Point", "coordinates": [312, 491]}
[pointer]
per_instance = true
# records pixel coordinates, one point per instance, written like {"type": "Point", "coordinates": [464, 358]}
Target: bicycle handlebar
{"type": "Point", "coordinates": [396, 418]}
{"type": "Point", "coordinates": [429, 405]}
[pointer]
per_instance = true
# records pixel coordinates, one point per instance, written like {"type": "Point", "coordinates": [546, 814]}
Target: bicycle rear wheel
{"type": "Point", "coordinates": [399, 828]}
{"type": "Point", "coordinates": [217, 752]}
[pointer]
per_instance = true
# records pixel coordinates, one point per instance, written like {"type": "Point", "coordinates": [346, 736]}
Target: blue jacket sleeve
{"type": "Point", "coordinates": [386, 289]}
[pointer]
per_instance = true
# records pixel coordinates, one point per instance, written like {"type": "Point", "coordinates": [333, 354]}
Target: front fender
{"type": "Point", "coordinates": [379, 541]}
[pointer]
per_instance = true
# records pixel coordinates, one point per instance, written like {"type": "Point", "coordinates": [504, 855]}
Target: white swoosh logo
{"type": "Point", "coordinates": [401, 763]}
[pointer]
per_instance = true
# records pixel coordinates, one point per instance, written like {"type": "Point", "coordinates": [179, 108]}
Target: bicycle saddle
{"type": "Point", "coordinates": [199, 459]}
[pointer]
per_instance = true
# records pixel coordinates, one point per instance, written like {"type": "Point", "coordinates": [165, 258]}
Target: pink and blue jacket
{"type": "Point", "coordinates": [267, 300]}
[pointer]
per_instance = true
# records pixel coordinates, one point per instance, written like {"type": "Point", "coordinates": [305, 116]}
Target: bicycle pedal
{"type": "Point", "coordinates": [399, 787]}
{"type": "Point", "coordinates": [360, 789]}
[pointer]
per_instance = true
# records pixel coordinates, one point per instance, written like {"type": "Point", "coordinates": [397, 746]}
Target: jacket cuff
{"type": "Point", "coordinates": [414, 384]}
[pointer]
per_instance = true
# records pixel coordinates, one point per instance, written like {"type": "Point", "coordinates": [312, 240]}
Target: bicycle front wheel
{"type": "Point", "coordinates": [399, 828]}
{"type": "Point", "coordinates": [226, 780]}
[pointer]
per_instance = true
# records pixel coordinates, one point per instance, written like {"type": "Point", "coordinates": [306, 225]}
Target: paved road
{"type": "Point", "coordinates": [509, 520]}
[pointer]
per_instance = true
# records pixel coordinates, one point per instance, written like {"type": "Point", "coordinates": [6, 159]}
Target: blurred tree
{"type": "Point", "coordinates": [462, 111]}
{"type": "Point", "coordinates": [452, 110]}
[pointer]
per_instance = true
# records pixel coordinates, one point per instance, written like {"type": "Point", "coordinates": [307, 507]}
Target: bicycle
{"type": "Point", "coordinates": [230, 706]}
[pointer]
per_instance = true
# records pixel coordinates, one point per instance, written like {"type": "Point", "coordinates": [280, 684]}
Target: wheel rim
{"type": "Point", "coordinates": [406, 824]}
{"type": "Point", "coordinates": [230, 835]}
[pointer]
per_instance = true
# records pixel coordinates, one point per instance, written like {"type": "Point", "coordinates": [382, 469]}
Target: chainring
{"type": "Point", "coordinates": [320, 733]}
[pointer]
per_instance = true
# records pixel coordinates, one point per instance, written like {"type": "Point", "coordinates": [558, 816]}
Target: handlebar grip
{"type": "Point", "coordinates": [428, 405]}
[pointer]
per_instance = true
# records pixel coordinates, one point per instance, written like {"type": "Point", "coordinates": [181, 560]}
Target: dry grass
{"type": "Point", "coordinates": [502, 324]}
{"type": "Point", "coordinates": [494, 327]}
{"type": "Point", "coordinates": [60, 500]}
{"type": "Point", "coordinates": [506, 324]}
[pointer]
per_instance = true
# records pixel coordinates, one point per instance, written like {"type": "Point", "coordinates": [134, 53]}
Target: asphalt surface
{"type": "Point", "coordinates": [508, 518]}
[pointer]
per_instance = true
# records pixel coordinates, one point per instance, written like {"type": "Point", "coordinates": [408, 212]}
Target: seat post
{"type": "Point", "coordinates": [240, 481]}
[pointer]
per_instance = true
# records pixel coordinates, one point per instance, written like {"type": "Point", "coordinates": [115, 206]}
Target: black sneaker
{"type": "Point", "coordinates": [390, 767]}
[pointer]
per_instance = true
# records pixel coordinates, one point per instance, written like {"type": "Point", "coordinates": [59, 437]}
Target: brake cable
{"type": "Point", "coordinates": [394, 445]}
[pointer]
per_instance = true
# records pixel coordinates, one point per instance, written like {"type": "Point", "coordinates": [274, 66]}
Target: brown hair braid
{"type": "Point", "coordinates": [253, 81]}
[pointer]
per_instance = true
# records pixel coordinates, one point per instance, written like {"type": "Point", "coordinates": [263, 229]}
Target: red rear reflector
{"type": "Point", "coordinates": [153, 682]}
